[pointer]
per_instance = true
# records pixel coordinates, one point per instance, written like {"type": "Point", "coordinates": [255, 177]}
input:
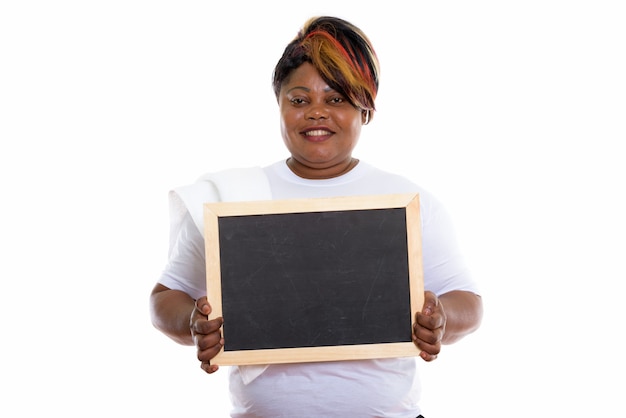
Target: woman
{"type": "Point", "coordinates": [326, 84]}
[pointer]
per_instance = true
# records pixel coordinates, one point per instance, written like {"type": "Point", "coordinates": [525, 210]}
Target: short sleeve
{"type": "Point", "coordinates": [186, 269]}
{"type": "Point", "coordinates": [445, 268]}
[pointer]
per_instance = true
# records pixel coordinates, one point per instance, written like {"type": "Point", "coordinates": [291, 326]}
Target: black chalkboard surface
{"type": "Point", "coordinates": [315, 279]}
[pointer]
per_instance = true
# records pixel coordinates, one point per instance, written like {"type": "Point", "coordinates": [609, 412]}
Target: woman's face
{"type": "Point", "coordinates": [319, 126]}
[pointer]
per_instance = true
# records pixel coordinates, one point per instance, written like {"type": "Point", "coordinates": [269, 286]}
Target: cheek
{"type": "Point", "coordinates": [355, 137]}
{"type": "Point", "coordinates": [355, 127]}
{"type": "Point", "coordinates": [288, 118]}
{"type": "Point", "coordinates": [285, 126]}
{"type": "Point", "coordinates": [288, 130]}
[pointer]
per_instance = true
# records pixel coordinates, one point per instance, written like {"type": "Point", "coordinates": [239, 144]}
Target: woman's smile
{"type": "Point", "coordinates": [317, 134]}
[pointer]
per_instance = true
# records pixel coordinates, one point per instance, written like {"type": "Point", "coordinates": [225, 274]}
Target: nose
{"type": "Point", "coordinates": [317, 111]}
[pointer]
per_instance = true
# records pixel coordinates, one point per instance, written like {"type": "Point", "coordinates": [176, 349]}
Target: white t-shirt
{"type": "Point", "coordinates": [363, 388]}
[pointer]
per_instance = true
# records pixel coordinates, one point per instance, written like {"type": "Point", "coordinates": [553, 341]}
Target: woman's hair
{"type": "Point", "coordinates": [340, 52]}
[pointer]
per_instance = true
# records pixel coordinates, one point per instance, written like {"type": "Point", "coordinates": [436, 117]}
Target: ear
{"type": "Point", "coordinates": [366, 116]}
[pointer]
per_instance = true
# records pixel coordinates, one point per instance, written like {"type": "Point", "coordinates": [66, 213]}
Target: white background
{"type": "Point", "coordinates": [512, 113]}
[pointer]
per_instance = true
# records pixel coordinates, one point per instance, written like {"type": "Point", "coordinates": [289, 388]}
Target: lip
{"type": "Point", "coordinates": [317, 133]}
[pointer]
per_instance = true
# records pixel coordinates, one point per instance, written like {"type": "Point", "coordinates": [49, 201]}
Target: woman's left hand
{"type": "Point", "coordinates": [430, 327]}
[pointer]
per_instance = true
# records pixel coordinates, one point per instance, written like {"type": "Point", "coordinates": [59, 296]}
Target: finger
{"type": "Point", "coordinates": [429, 348]}
{"type": "Point", "coordinates": [203, 306]}
{"type": "Point", "coordinates": [427, 357]}
{"type": "Point", "coordinates": [428, 335]}
{"type": "Point", "coordinates": [430, 303]}
{"type": "Point", "coordinates": [209, 341]}
{"type": "Point", "coordinates": [208, 354]}
{"type": "Point", "coordinates": [428, 322]}
{"type": "Point", "coordinates": [208, 367]}
{"type": "Point", "coordinates": [206, 327]}
{"type": "Point", "coordinates": [428, 352]}
{"type": "Point", "coordinates": [207, 347]}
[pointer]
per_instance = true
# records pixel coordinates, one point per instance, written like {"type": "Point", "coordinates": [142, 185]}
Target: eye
{"type": "Point", "coordinates": [336, 100]}
{"type": "Point", "coordinates": [297, 101]}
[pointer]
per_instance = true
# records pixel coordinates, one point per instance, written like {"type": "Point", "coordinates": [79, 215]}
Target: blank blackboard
{"type": "Point", "coordinates": [315, 279]}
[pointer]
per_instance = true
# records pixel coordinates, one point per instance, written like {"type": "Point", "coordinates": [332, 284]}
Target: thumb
{"type": "Point", "coordinates": [203, 306]}
{"type": "Point", "coordinates": [430, 302]}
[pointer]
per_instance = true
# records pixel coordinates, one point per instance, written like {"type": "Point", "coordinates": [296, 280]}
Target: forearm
{"type": "Point", "coordinates": [464, 312]}
{"type": "Point", "coordinates": [171, 311]}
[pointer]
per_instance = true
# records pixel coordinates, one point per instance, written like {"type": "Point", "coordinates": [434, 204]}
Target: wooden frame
{"type": "Point", "coordinates": [216, 213]}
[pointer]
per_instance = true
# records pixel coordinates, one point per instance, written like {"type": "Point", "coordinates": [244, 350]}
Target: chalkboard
{"type": "Point", "coordinates": [315, 279]}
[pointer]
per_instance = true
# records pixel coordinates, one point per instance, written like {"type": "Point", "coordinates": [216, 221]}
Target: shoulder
{"type": "Point", "coordinates": [232, 184]}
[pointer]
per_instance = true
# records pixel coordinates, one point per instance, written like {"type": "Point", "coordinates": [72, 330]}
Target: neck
{"type": "Point", "coordinates": [314, 173]}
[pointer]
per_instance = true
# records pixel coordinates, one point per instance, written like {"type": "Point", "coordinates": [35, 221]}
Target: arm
{"type": "Point", "coordinates": [445, 320]}
{"type": "Point", "coordinates": [464, 311]}
{"type": "Point", "coordinates": [170, 311]}
{"type": "Point", "coordinates": [185, 321]}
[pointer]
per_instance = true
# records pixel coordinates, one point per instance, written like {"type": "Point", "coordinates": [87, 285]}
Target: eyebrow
{"type": "Point", "coordinates": [326, 89]}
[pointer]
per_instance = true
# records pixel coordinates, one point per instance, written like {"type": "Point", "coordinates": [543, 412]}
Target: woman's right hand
{"type": "Point", "coordinates": [206, 334]}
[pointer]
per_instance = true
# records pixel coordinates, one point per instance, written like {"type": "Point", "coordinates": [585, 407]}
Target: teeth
{"type": "Point", "coordinates": [318, 132]}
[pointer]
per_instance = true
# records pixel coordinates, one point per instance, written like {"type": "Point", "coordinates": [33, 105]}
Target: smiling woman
{"type": "Point", "coordinates": [326, 83]}
{"type": "Point", "coordinates": [329, 68]}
